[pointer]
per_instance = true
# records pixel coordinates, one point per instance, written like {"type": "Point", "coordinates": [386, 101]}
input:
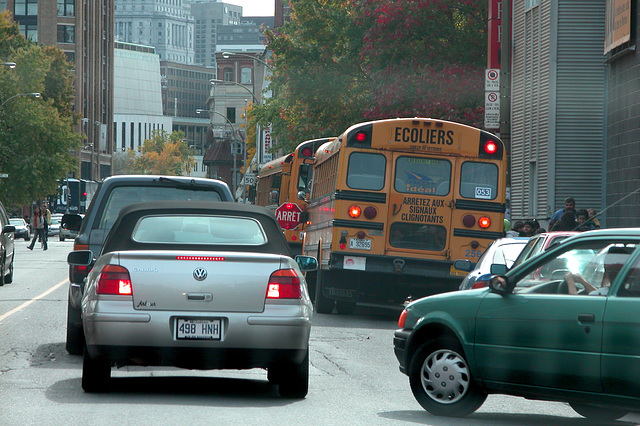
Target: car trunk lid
{"type": "Point", "coordinates": [199, 281]}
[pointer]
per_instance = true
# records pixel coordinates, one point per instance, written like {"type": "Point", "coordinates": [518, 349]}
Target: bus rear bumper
{"type": "Point", "coordinates": [385, 280]}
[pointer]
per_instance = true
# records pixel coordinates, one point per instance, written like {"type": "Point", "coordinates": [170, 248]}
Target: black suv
{"type": "Point", "coordinates": [112, 195]}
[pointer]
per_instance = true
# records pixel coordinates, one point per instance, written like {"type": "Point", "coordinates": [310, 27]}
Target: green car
{"type": "Point", "coordinates": [562, 326]}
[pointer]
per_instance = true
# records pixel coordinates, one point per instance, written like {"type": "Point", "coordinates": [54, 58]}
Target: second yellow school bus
{"type": "Point", "coordinates": [394, 203]}
{"type": "Point", "coordinates": [279, 183]}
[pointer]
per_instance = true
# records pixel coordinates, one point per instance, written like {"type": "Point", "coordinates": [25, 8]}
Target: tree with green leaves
{"type": "Point", "coordinates": [164, 154]}
{"type": "Point", "coordinates": [340, 62]}
{"type": "Point", "coordinates": [37, 139]}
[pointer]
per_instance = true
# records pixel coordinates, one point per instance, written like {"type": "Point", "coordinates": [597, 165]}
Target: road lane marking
{"type": "Point", "coordinates": [28, 302]}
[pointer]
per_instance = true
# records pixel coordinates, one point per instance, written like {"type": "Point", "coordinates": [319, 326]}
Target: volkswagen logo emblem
{"type": "Point", "coordinates": [200, 274]}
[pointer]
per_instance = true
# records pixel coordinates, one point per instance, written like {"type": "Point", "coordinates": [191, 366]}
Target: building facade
{"type": "Point", "coordinates": [557, 106]}
{"type": "Point", "coordinates": [84, 31]}
{"type": "Point", "coordinates": [166, 25]}
{"type": "Point", "coordinates": [137, 96]}
{"type": "Point", "coordinates": [209, 17]}
{"type": "Point", "coordinates": [622, 154]}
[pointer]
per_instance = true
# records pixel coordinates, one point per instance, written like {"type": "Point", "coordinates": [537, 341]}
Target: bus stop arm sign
{"type": "Point", "coordinates": [289, 215]}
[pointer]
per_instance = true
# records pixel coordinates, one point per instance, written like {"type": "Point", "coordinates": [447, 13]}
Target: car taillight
{"type": "Point", "coordinates": [114, 279]}
{"type": "Point", "coordinates": [284, 284]}
{"type": "Point", "coordinates": [480, 284]}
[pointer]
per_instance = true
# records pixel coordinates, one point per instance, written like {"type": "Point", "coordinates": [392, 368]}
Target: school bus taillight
{"type": "Point", "coordinates": [484, 222]}
{"type": "Point", "coordinates": [355, 211]}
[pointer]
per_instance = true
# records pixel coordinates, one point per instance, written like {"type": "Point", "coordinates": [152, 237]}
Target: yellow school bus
{"type": "Point", "coordinates": [394, 203]}
{"type": "Point", "coordinates": [280, 183]}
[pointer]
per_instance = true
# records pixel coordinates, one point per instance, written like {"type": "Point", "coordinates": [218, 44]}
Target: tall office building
{"type": "Point", "coordinates": [165, 25]}
{"type": "Point", "coordinates": [209, 17]}
{"type": "Point", "coordinates": [84, 31]}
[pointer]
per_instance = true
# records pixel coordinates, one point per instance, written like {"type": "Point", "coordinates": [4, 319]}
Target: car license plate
{"type": "Point", "coordinates": [198, 328]}
{"type": "Point", "coordinates": [358, 244]}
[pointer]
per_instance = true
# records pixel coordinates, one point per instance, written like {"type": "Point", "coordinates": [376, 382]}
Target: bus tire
{"type": "Point", "coordinates": [322, 304]}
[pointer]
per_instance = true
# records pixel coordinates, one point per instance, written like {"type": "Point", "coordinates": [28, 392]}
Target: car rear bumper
{"type": "Point", "coordinates": [247, 340]}
{"type": "Point", "coordinates": [197, 358]}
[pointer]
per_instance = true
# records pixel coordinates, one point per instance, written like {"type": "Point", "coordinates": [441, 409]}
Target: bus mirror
{"type": "Point", "coordinates": [302, 195]}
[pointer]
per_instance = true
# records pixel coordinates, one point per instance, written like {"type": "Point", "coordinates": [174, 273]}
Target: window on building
{"type": "Point", "coordinates": [66, 8]}
{"type": "Point", "coordinates": [245, 76]}
{"type": "Point", "coordinates": [231, 114]}
{"type": "Point", "coordinates": [66, 34]}
{"type": "Point", "coordinates": [228, 74]}
{"type": "Point", "coordinates": [26, 7]}
{"type": "Point", "coordinates": [30, 31]}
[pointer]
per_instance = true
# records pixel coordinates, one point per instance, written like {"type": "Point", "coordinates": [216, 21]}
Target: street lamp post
{"type": "Point", "coordinates": [11, 65]}
{"type": "Point", "coordinates": [35, 95]}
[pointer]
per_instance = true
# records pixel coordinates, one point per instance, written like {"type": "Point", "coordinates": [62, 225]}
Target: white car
{"type": "Point", "coordinates": [205, 285]}
{"type": "Point", "coordinates": [503, 251]}
{"type": "Point", "coordinates": [54, 227]}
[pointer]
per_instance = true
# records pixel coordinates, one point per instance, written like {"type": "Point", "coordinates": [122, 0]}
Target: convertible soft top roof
{"type": "Point", "coordinates": [119, 238]}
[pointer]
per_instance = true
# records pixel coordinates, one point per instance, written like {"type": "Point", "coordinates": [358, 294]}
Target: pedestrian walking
{"type": "Point", "coordinates": [38, 225]}
{"type": "Point", "coordinates": [47, 218]}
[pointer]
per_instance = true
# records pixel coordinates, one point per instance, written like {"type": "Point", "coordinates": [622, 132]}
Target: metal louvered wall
{"type": "Point", "coordinates": [558, 88]}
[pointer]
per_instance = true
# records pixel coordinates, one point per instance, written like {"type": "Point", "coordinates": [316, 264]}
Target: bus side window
{"type": "Point", "coordinates": [274, 196]}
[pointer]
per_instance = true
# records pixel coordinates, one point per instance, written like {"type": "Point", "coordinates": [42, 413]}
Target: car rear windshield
{"type": "Point", "coordinates": [123, 196]}
{"type": "Point", "coordinates": [199, 229]}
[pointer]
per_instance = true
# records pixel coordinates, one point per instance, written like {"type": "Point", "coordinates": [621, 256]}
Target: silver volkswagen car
{"type": "Point", "coordinates": [206, 285]}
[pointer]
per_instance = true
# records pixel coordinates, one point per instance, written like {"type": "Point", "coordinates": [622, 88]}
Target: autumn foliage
{"type": "Point", "coordinates": [339, 62]}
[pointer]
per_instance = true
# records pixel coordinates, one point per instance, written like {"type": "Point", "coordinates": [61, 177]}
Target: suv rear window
{"type": "Point", "coordinates": [123, 196]}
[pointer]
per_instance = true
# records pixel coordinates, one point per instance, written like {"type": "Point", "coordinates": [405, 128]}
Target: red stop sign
{"type": "Point", "coordinates": [289, 215]}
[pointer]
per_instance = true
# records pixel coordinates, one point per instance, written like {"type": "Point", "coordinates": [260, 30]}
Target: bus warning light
{"type": "Point", "coordinates": [307, 152]}
{"type": "Point", "coordinates": [491, 147]}
{"type": "Point", "coordinates": [484, 222]}
{"type": "Point", "coordinates": [361, 136]}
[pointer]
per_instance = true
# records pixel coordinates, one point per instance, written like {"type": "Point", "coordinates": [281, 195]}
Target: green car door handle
{"type": "Point", "coordinates": [586, 318]}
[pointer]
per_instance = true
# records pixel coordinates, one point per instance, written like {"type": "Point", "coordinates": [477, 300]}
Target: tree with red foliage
{"type": "Point", "coordinates": [339, 62]}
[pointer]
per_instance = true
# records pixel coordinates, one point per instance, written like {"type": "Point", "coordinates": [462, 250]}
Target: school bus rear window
{"type": "Point", "coordinates": [422, 176]}
{"type": "Point", "coordinates": [418, 236]}
{"type": "Point", "coordinates": [366, 171]}
{"type": "Point", "coordinates": [479, 180]}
